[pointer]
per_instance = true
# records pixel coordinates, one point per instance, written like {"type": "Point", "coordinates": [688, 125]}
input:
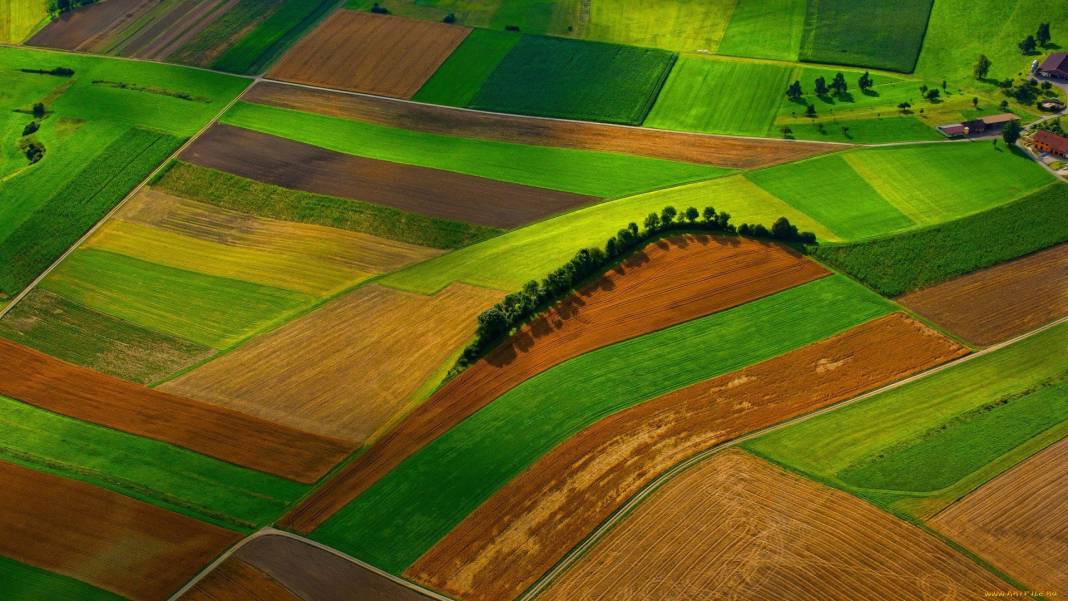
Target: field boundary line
{"type": "Point", "coordinates": [118, 206]}
{"type": "Point", "coordinates": [270, 531]}
{"type": "Point", "coordinates": [572, 556]}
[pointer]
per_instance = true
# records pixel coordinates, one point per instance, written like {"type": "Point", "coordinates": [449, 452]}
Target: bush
{"type": "Point", "coordinates": [30, 128]}
{"type": "Point", "coordinates": [379, 10]}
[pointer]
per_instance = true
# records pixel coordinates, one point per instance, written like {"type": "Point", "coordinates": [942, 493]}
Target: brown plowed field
{"type": "Point", "coordinates": [313, 573]}
{"type": "Point", "coordinates": [526, 527]}
{"type": "Point", "coordinates": [995, 304]}
{"type": "Point", "coordinates": [1019, 520]}
{"type": "Point", "coordinates": [667, 284]}
{"type": "Point", "coordinates": [724, 151]}
{"type": "Point", "coordinates": [43, 381]}
{"type": "Point", "coordinates": [84, 27]}
{"type": "Point", "coordinates": [421, 190]}
{"type": "Point", "coordinates": [100, 537]}
{"type": "Point", "coordinates": [365, 52]}
{"type": "Point", "coordinates": [735, 527]}
{"type": "Point", "coordinates": [346, 368]}
{"type": "Point", "coordinates": [235, 579]}
{"type": "Point", "coordinates": [174, 29]}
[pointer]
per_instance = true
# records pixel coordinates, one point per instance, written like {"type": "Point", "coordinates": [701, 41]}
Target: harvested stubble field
{"type": "Point", "coordinates": [314, 573]}
{"type": "Point", "coordinates": [365, 52]}
{"type": "Point", "coordinates": [87, 27]}
{"type": "Point", "coordinates": [111, 541]}
{"type": "Point", "coordinates": [667, 283]}
{"type": "Point", "coordinates": [430, 192]}
{"type": "Point", "coordinates": [346, 368]}
{"type": "Point", "coordinates": [306, 258]}
{"type": "Point", "coordinates": [736, 527]}
{"type": "Point", "coordinates": [1019, 520]}
{"type": "Point", "coordinates": [45, 382]}
{"type": "Point", "coordinates": [408, 510]}
{"type": "Point", "coordinates": [742, 153]}
{"type": "Point", "coordinates": [1000, 302]}
{"type": "Point", "coordinates": [238, 579]}
{"type": "Point", "coordinates": [527, 526]}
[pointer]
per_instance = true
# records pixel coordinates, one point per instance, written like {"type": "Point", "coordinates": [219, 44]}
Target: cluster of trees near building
{"type": "Point", "coordinates": [500, 320]}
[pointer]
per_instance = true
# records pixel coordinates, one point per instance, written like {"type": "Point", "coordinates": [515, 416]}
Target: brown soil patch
{"type": "Point", "coordinates": [101, 537]}
{"type": "Point", "coordinates": [180, 25]}
{"type": "Point", "coordinates": [995, 304]}
{"type": "Point", "coordinates": [666, 284]}
{"type": "Point", "coordinates": [346, 368]}
{"type": "Point", "coordinates": [40, 380]}
{"type": "Point", "coordinates": [724, 151]}
{"type": "Point", "coordinates": [313, 573]}
{"type": "Point", "coordinates": [365, 52]}
{"type": "Point", "coordinates": [526, 527]}
{"type": "Point", "coordinates": [83, 28]}
{"type": "Point", "coordinates": [432, 192]}
{"type": "Point", "coordinates": [735, 527]}
{"type": "Point", "coordinates": [1019, 520]}
{"type": "Point", "coordinates": [236, 579]}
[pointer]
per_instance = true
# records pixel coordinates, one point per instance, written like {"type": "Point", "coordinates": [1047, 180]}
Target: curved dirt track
{"type": "Point", "coordinates": [238, 579]}
{"type": "Point", "coordinates": [735, 527]}
{"type": "Point", "coordinates": [723, 151]}
{"type": "Point", "coordinates": [527, 526]}
{"type": "Point", "coordinates": [994, 304]}
{"type": "Point", "coordinates": [433, 192]}
{"type": "Point", "coordinates": [670, 282]}
{"type": "Point", "coordinates": [43, 381]}
{"type": "Point", "coordinates": [109, 540]}
{"type": "Point", "coordinates": [1019, 520]}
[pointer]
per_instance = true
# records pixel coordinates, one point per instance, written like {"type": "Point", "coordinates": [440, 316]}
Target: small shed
{"type": "Point", "coordinates": [953, 130]}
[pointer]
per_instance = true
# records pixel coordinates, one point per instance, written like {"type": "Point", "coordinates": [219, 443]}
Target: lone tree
{"type": "Point", "coordinates": [1011, 132]}
{"type": "Point", "coordinates": [982, 67]}
{"type": "Point", "coordinates": [1043, 36]}
{"type": "Point", "coordinates": [810, 110]}
{"type": "Point", "coordinates": [794, 91]}
{"type": "Point", "coordinates": [839, 85]}
{"type": "Point", "coordinates": [865, 83]}
{"type": "Point", "coordinates": [904, 106]}
{"type": "Point", "coordinates": [975, 101]}
{"type": "Point", "coordinates": [932, 94]}
{"type": "Point", "coordinates": [38, 110]}
{"type": "Point", "coordinates": [1029, 45]}
{"type": "Point", "coordinates": [786, 131]}
{"type": "Point", "coordinates": [821, 86]}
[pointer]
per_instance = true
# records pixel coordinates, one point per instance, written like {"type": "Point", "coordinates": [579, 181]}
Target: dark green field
{"type": "Point", "coordinates": [865, 33]}
{"type": "Point", "coordinates": [553, 77]}
{"type": "Point", "coordinates": [458, 80]}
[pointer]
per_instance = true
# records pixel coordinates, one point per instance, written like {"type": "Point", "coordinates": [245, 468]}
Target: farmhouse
{"type": "Point", "coordinates": [990, 123]}
{"type": "Point", "coordinates": [1045, 141]}
{"type": "Point", "coordinates": [1055, 66]}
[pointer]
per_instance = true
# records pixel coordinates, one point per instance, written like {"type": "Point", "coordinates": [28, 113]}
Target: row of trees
{"type": "Point", "coordinates": [55, 7]}
{"type": "Point", "coordinates": [838, 85]}
{"type": "Point", "coordinates": [497, 322]}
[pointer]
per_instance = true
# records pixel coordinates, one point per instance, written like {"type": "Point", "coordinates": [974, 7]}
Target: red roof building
{"type": "Point", "coordinates": [1050, 142]}
{"type": "Point", "coordinates": [1056, 65]}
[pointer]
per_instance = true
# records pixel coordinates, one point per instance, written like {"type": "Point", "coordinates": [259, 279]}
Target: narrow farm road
{"type": "Point", "coordinates": [572, 556]}
{"type": "Point", "coordinates": [18, 297]}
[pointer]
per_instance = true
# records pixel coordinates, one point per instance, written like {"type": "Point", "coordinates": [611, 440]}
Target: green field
{"type": "Point", "coordinates": [508, 261]}
{"type": "Point", "coordinates": [207, 310]}
{"type": "Point", "coordinates": [20, 18]}
{"type": "Point", "coordinates": [595, 81]}
{"type": "Point", "coordinates": [765, 29]}
{"type": "Point", "coordinates": [720, 96]}
{"type": "Point", "coordinates": [603, 174]}
{"type": "Point", "coordinates": [961, 30]}
{"type": "Point", "coordinates": [897, 264]}
{"type": "Point", "coordinates": [833, 193]}
{"type": "Point", "coordinates": [264, 200]}
{"type": "Point", "coordinates": [882, 35]}
{"type": "Point", "coordinates": [930, 183]}
{"type": "Point", "coordinates": [272, 36]}
{"type": "Point", "coordinates": [458, 80]}
{"type": "Point", "coordinates": [681, 25]}
{"type": "Point", "coordinates": [21, 582]}
{"type": "Point", "coordinates": [152, 471]}
{"type": "Point", "coordinates": [93, 156]}
{"type": "Point", "coordinates": [55, 224]}
{"type": "Point", "coordinates": [878, 130]}
{"type": "Point", "coordinates": [68, 331]}
{"type": "Point", "coordinates": [407, 511]}
{"type": "Point", "coordinates": [919, 447]}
